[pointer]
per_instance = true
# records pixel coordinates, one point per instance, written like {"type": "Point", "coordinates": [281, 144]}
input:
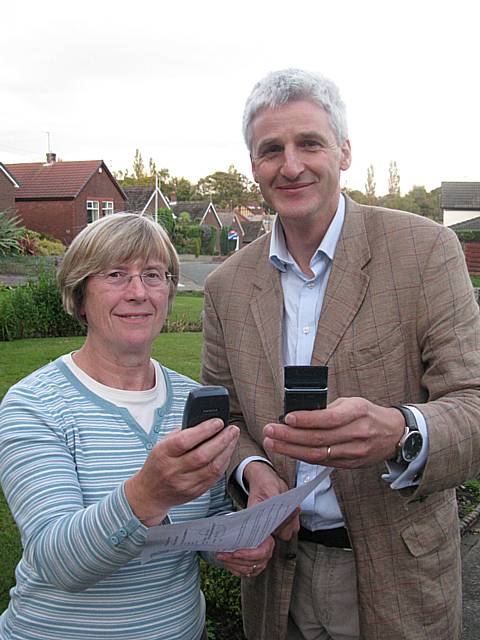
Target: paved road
{"type": "Point", "coordinates": [193, 274]}
{"type": "Point", "coordinates": [471, 583]}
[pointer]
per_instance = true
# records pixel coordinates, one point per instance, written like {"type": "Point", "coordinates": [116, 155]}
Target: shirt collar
{"type": "Point", "coordinates": [279, 255]}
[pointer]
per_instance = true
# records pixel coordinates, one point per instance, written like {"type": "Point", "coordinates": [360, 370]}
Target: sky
{"type": "Point", "coordinates": [104, 78]}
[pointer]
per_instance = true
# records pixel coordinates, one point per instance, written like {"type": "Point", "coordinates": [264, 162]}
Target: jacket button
{"type": "Point", "coordinates": [291, 556]}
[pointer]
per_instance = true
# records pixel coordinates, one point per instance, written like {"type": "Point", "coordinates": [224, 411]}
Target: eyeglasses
{"type": "Point", "coordinates": [151, 279]}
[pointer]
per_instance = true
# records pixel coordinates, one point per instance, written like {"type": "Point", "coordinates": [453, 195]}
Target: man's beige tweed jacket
{"type": "Point", "coordinates": [399, 324]}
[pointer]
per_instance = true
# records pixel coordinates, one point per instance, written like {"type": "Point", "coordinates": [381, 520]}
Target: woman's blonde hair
{"type": "Point", "coordinates": [109, 242]}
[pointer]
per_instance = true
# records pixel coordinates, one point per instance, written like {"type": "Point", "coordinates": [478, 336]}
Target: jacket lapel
{"type": "Point", "coordinates": [267, 311]}
{"type": "Point", "coordinates": [347, 284]}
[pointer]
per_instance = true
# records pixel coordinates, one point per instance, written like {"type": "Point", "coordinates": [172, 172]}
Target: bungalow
{"type": "Point", "coordinates": [61, 198]}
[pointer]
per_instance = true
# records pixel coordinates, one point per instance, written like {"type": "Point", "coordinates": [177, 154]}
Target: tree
{"type": "Point", "coordinates": [138, 168]}
{"type": "Point", "coordinates": [228, 188]}
{"type": "Point", "coordinates": [165, 218]}
{"type": "Point", "coordinates": [393, 179]}
{"type": "Point", "coordinates": [370, 186]}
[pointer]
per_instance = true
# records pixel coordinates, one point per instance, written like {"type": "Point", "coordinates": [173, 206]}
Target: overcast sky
{"type": "Point", "coordinates": [171, 78]}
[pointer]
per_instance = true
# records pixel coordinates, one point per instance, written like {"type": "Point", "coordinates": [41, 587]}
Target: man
{"type": "Point", "coordinates": [384, 299]}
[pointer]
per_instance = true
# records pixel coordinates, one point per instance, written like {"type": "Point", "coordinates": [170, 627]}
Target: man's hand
{"type": "Point", "coordinates": [349, 433]}
{"type": "Point", "coordinates": [248, 563]}
{"type": "Point", "coordinates": [264, 483]}
{"type": "Point", "coordinates": [180, 468]}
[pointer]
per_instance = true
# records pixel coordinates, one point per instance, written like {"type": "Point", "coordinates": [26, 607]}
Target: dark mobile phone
{"type": "Point", "coordinates": [204, 403]}
{"type": "Point", "coordinates": [306, 388]}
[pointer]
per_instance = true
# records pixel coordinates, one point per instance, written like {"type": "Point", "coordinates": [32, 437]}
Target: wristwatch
{"type": "Point", "coordinates": [411, 442]}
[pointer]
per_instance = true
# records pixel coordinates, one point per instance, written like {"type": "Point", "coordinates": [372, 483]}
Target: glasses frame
{"type": "Point", "coordinates": [127, 278]}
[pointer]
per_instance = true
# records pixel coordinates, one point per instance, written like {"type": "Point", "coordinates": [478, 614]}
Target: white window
{"type": "Point", "coordinates": [107, 207]}
{"type": "Point", "coordinates": [93, 210]}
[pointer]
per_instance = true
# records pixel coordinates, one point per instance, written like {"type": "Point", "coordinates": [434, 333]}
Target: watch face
{"type": "Point", "coordinates": [412, 446]}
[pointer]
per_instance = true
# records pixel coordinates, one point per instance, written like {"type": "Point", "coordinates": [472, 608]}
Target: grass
{"type": "Point", "coordinates": [475, 281]}
{"type": "Point", "coordinates": [179, 351]}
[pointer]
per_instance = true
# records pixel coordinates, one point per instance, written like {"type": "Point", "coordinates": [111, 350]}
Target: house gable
{"type": "Point", "coordinates": [460, 201]}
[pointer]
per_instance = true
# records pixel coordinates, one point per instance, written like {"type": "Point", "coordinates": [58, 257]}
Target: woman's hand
{"type": "Point", "coordinates": [248, 563]}
{"type": "Point", "coordinates": [180, 468]}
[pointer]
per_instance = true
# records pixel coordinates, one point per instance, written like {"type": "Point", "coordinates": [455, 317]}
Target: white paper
{"type": "Point", "coordinates": [244, 529]}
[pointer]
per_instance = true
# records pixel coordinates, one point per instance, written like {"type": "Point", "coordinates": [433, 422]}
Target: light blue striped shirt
{"type": "Point", "coordinates": [65, 454]}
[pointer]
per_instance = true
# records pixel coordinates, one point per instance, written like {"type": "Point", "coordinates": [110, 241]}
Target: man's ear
{"type": "Point", "coordinates": [254, 170]}
{"type": "Point", "coordinates": [346, 158]}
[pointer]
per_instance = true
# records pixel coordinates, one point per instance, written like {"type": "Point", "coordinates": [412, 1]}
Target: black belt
{"type": "Point", "coordinates": [328, 537]}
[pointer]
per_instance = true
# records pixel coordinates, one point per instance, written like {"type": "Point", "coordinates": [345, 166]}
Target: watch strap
{"type": "Point", "coordinates": [410, 425]}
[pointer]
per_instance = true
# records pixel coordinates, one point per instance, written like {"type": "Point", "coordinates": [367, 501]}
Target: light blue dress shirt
{"type": "Point", "coordinates": [303, 299]}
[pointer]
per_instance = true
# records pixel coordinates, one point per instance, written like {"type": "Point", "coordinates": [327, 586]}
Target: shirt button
{"type": "Point", "coordinates": [310, 285]}
{"type": "Point", "coordinates": [122, 532]}
{"type": "Point", "coordinates": [149, 446]}
{"type": "Point", "coordinates": [114, 540]}
{"type": "Point", "coordinates": [306, 330]}
{"type": "Point", "coordinates": [291, 556]}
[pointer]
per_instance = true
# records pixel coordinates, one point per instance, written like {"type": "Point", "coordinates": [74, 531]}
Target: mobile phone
{"type": "Point", "coordinates": [306, 388]}
{"type": "Point", "coordinates": [204, 403]}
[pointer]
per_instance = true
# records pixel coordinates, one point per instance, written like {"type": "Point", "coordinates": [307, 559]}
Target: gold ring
{"type": "Point", "coordinates": [329, 451]}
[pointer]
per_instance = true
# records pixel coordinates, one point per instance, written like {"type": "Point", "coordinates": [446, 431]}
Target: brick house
{"type": "Point", "coordinates": [61, 198]}
{"type": "Point", "coordinates": [471, 249]}
{"type": "Point", "coordinates": [8, 187]}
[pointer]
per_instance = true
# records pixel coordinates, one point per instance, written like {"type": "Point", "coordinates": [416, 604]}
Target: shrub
{"type": "Point", "coordinates": [222, 595]}
{"type": "Point", "coordinates": [11, 232]}
{"type": "Point", "coordinates": [35, 310]}
{"type": "Point", "coordinates": [50, 248]}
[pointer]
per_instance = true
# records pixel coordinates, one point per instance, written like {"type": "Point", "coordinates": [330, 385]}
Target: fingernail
{"type": "Point", "coordinates": [268, 430]}
{"type": "Point", "coordinates": [290, 419]}
{"type": "Point", "coordinates": [268, 444]}
{"type": "Point", "coordinates": [233, 431]}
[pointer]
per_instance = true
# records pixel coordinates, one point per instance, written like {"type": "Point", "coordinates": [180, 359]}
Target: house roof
{"type": "Point", "coordinates": [56, 180]}
{"type": "Point", "coordinates": [196, 209]}
{"type": "Point", "coordinates": [138, 197]}
{"type": "Point", "coordinates": [468, 225]}
{"type": "Point", "coordinates": [461, 195]}
{"type": "Point", "coordinates": [227, 218]}
{"type": "Point", "coordinates": [252, 230]}
{"type": "Point", "coordinates": [9, 176]}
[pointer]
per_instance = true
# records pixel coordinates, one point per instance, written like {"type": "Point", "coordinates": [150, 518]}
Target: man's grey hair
{"type": "Point", "coordinates": [287, 85]}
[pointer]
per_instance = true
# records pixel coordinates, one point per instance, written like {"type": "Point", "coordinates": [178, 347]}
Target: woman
{"type": "Point", "coordinates": [91, 456]}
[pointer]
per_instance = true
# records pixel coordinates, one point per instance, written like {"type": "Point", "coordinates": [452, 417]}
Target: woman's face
{"type": "Point", "coordinates": [126, 316]}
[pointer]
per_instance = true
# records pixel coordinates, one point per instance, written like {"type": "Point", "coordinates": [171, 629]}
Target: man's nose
{"type": "Point", "coordinates": [292, 165]}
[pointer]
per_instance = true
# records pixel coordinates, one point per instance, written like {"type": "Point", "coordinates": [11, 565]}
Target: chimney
{"type": "Point", "coordinates": [51, 157]}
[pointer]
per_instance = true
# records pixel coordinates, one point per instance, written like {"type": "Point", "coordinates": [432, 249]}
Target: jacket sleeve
{"type": "Point", "coordinates": [448, 333]}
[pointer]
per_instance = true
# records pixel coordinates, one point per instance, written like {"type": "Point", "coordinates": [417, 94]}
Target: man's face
{"type": "Point", "coordinates": [297, 161]}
